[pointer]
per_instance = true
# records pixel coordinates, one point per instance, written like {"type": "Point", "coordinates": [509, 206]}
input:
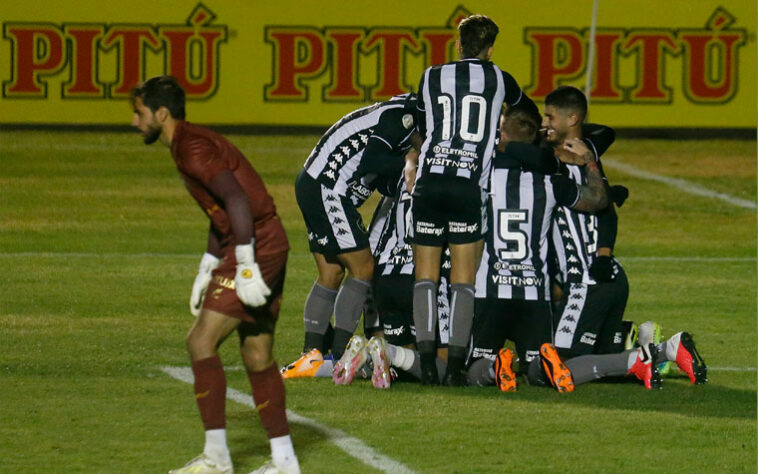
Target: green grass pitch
{"type": "Point", "coordinates": [99, 244]}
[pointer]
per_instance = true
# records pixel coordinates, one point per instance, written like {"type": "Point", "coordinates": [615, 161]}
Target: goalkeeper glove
{"type": "Point", "coordinates": [251, 289]}
{"type": "Point", "coordinates": [602, 269]}
{"type": "Point", "coordinates": [202, 280]}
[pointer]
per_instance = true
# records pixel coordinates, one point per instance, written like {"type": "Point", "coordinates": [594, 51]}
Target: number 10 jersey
{"type": "Point", "coordinates": [459, 111]}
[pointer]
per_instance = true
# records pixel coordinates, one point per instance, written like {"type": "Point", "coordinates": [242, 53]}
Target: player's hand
{"type": "Point", "coordinates": [618, 194]}
{"type": "Point", "coordinates": [409, 171]}
{"type": "Point", "coordinates": [251, 289]}
{"type": "Point", "coordinates": [602, 269]}
{"type": "Point", "coordinates": [207, 264]}
{"type": "Point", "coordinates": [575, 152]}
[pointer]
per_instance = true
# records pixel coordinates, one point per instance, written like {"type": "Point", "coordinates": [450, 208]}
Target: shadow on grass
{"type": "Point", "coordinates": [678, 396]}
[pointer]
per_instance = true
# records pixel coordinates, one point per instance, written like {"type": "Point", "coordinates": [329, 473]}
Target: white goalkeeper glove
{"type": "Point", "coordinates": [202, 280]}
{"type": "Point", "coordinates": [251, 289]}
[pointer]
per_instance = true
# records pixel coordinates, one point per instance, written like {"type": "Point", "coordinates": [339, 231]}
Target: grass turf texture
{"type": "Point", "coordinates": [100, 244]}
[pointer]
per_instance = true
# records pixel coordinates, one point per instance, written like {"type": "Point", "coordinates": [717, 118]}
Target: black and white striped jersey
{"type": "Point", "coordinates": [575, 238]}
{"type": "Point", "coordinates": [575, 235]}
{"type": "Point", "coordinates": [520, 211]}
{"type": "Point", "coordinates": [459, 109]}
{"type": "Point", "coordinates": [336, 160]}
{"type": "Point", "coordinates": [393, 254]}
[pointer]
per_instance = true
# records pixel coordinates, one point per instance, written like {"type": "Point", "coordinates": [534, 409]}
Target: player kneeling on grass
{"type": "Point", "coordinates": [512, 284]}
{"type": "Point", "coordinates": [241, 278]}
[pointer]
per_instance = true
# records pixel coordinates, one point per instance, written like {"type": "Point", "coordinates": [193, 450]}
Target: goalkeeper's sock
{"type": "Point", "coordinates": [282, 451]}
{"type": "Point", "coordinates": [592, 367]}
{"type": "Point", "coordinates": [268, 394]}
{"type": "Point", "coordinates": [216, 447]}
{"type": "Point", "coordinates": [210, 391]}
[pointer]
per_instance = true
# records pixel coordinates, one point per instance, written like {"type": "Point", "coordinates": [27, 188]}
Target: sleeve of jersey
{"type": "Point", "coordinates": [607, 227]}
{"type": "Point", "coordinates": [513, 93]}
{"type": "Point", "coordinates": [420, 117]}
{"type": "Point", "coordinates": [201, 159]}
{"type": "Point", "coordinates": [532, 158]}
{"type": "Point", "coordinates": [566, 191]}
{"type": "Point", "coordinates": [598, 138]}
{"type": "Point", "coordinates": [380, 156]}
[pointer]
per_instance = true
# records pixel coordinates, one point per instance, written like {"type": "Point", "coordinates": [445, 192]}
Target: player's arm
{"type": "Point", "coordinates": [598, 138]}
{"type": "Point", "coordinates": [513, 93]}
{"type": "Point", "coordinates": [607, 229]}
{"type": "Point", "coordinates": [420, 115]}
{"type": "Point", "coordinates": [591, 197]}
{"type": "Point", "coordinates": [392, 132]}
{"type": "Point", "coordinates": [525, 155]}
{"type": "Point", "coordinates": [204, 164]}
{"type": "Point", "coordinates": [250, 286]}
{"type": "Point", "coordinates": [409, 171]}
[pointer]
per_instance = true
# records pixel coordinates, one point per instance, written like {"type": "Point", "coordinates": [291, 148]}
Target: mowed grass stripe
{"type": "Point", "coordinates": [350, 445]}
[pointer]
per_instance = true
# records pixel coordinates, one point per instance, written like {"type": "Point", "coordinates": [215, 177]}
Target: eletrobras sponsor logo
{"type": "Point", "coordinates": [191, 53]}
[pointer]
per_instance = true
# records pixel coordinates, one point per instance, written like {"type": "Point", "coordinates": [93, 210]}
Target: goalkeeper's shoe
{"type": "Point", "coordinates": [356, 354]}
{"type": "Point", "coordinates": [380, 376]}
{"type": "Point", "coordinates": [681, 348]}
{"type": "Point", "coordinates": [645, 367]}
{"type": "Point", "coordinates": [204, 465]}
{"type": "Point", "coordinates": [557, 373]}
{"type": "Point", "coordinates": [505, 378]}
{"type": "Point", "coordinates": [305, 366]}
{"type": "Point", "coordinates": [271, 468]}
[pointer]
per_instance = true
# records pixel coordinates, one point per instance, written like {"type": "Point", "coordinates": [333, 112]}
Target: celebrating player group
{"type": "Point", "coordinates": [496, 223]}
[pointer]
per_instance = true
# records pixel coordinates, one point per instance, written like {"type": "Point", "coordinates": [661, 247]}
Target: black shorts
{"type": "Point", "coordinates": [591, 319]}
{"type": "Point", "coordinates": [447, 210]}
{"type": "Point", "coordinates": [393, 295]}
{"type": "Point", "coordinates": [333, 223]}
{"type": "Point", "coordinates": [526, 323]}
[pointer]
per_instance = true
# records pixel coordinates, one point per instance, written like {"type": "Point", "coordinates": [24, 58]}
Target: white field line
{"type": "Point", "coordinates": [197, 256]}
{"type": "Point", "coordinates": [352, 446]}
{"type": "Point", "coordinates": [678, 183]}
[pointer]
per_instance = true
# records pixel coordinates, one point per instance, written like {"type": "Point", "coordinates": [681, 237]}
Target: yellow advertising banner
{"type": "Point", "coordinates": [652, 64]}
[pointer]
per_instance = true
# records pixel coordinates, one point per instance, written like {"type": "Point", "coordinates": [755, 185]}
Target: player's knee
{"type": "Point", "coordinates": [331, 278]}
{"type": "Point", "coordinates": [199, 345]}
{"type": "Point", "coordinates": [257, 359]}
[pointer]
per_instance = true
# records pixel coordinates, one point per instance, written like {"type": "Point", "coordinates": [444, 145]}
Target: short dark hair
{"type": "Point", "coordinates": [477, 33]}
{"type": "Point", "coordinates": [568, 97]}
{"type": "Point", "coordinates": [161, 91]}
{"type": "Point", "coordinates": [527, 109]}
